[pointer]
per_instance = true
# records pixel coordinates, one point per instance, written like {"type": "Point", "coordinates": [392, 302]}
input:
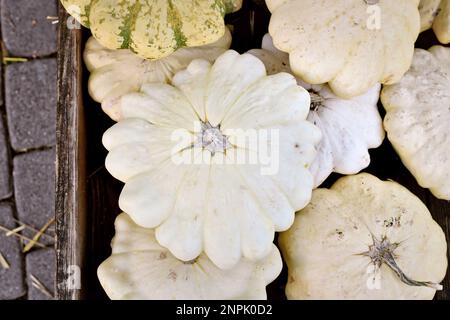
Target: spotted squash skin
{"type": "Point", "coordinates": [436, 14]}
{"type": "Point", "coordinates": [153, 29]}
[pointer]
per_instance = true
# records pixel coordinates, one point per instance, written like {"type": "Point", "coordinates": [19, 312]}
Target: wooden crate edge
{"type": "Point", "coordinates": [70, 206]}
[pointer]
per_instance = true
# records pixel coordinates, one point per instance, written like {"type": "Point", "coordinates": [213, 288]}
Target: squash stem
{"type": "Point", "coordinates": [383, 252]}
{"type": "Point", "coordinates": [316, 101]}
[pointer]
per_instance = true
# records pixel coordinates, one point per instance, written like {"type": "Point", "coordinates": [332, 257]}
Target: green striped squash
{"type": "Point", "coordinates": [153, 28]}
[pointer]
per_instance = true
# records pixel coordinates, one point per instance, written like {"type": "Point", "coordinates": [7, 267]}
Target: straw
{"type": "Point", "coordinates": [21, 236]}
{"type": "Point", "coordinates": [55, 19]}
{"type": "Point", "coordinates": [15, 231]}
{"type": "Point", "coordinates": [3, 262]}
{"type": "Point", "coordinates": [7, 60]}
{"type": "Point", "coordinates": [34, 229]}
{"type": "Point", "coordinates": [38, 285]}
{"type": "Point", "coordinates": [37, 236]}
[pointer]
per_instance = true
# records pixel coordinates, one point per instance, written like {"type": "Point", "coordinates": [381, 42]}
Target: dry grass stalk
{"type": "Point", "coordinates": [38, 285]}
{"type": "Point", "coordinates": [34, 229]}
{"type": "Point", "coordinates": [6, 230]}
{"type": "Point", "coordinates": [54, 19]}
{"type": "Point", "coordinates": [15, 231]}
{"type": "Point", "coordinates": [37, 236]}
{"type": "Point", "coordinates": [3, 262]}
{"type": "Point", "coordinates": [7, 60]}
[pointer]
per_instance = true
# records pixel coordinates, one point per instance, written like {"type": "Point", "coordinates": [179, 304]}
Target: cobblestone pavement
{"type": "Point", "coordinates": [27, 148]}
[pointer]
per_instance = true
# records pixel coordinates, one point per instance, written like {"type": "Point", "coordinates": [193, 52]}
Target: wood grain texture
{"type": "Point", "coordinates": [70, 165]}
{"type": "Point", "coordinates": [87, 204]}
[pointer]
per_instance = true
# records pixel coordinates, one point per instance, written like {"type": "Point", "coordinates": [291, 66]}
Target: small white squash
{"type": "Point", "coordinates": [117, 72]}
{"type": "Point", "coordinates": [436, 14]}
{"type": "Point", "coordinates": [350, 44]}
{"type": "Point", "coordinates": [140, 269]}
{"type": "Point", "coordinates": [203, 192]}
{"type": "Point", "coordinates": [349, 126]}
{"type": "Point", "coordinates": [364, 239]}
{"type": "Point", "coordinates": [418, 117]}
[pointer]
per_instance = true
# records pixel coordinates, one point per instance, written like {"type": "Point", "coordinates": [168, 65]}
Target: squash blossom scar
{"type": "Point", "coordinates": [212, 139]}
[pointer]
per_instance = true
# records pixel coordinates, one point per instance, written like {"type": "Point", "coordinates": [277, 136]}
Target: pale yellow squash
{"type": "Point", "coordinates": [141, 269]}
{"type": "Point", "coordinates": [350, 44]}
{"type": "Point", "coordinates": [364, 239]}
{"type": "Point", "coordinates": [418, 117]}
{"type": "Point", "coordinates": [436, 14]}
{"type": "Point", "coordinates": [118, 72]}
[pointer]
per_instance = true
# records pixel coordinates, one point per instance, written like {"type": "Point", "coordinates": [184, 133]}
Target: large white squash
{"type": "Point", "coordinates": [350, 44]}
{"type": "Point", "coordinates": [140, 269]}
{"type": "Point", "coordinates": [205, 192]}
{"type": "Point", "coordinates": [436, 14]}
{"type": "Point", "coordinates": [418, 117]}
{"type": "Point", "coordinates": [117, 72]}
{"type": "Point", "coordinates": [364, 239]}
{"type": "Point", "coordinates": [349, 126]}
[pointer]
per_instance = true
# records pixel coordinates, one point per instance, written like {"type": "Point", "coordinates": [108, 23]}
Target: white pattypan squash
{"type": "Point", "coordinates": [225, 204]}
{"type": "Point", "coordinates": [140, 269]}
{"type": "Point", "coordinates": [117, 72]}
{"type": "Point", "coordinates": [364, 239]}
{"type": "Point", "coordinates": [350, 44]}
{"type": "Point", "coordinates": [418, 117]}
{"type": "Point", "coordinates": [349, 126]}
{"type": "Point", "coordinates": [153, 29]}
{"type": "Point", "coordinates": [436, 14]}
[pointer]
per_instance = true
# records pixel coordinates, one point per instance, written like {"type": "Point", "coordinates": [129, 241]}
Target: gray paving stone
{"type": "Point", "coordinates": [34, 187]}
{"type": "Point", "coordinates": [12, 284]}
{"type": "Point", "coordinates": [42, 265]}
{"type": "Point", "coordinates": [5, 174]}
{"type": "Point", "coordinates": [30, 98]}
{"type": "Point", "coordinates": [26, 30]}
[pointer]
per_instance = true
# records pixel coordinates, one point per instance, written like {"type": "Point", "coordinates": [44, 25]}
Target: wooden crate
{"type": "Point", "coordinates": [71, 210]}
{"type": "Point", "coordinates": [86, 201]}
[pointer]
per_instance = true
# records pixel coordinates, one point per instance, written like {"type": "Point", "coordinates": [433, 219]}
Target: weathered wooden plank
{"type": "Point", "coordinates": [70, 165]}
